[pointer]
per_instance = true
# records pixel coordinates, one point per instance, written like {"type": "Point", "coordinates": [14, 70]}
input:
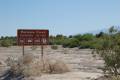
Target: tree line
{"type": "Point", "coordinates": [81, 41]}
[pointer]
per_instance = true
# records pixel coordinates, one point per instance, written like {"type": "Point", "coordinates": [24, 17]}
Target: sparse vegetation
{"type": "Point", "coordinates": [22, 66]}
{"type": "Point", "coordinates": [31, 66]}
{"type": "Point", "coordinates": [106, 44]}
{"type": "Point", "coordinates": [54, 47]}
{"type": "Point", "coordinates": [58, 67]}
{"type": "Point", "coordinates": [109, 50]}
{"type": "Point", "coordinates": [82, 41]}
{"type": "Point", "coordinates": [6, 43]}
{"type": "Point", "coordinates": [115, 78]}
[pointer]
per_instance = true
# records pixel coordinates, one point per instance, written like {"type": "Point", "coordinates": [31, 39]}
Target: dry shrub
{"type": "Point", "coordinates": [31, 70]}
{"type": "Point", "coordinates": [54, 66]}
{"type": "Point", "coordinates": [58, 67]}
{"type": "Point", "coordinates": [30, 66]}
{"type": "Point", "coordinates": [27, 58]}
{"type": "Point", "coordinates": [115, 78]}
{"type": "Point", "coordinates": [23, 66]}
{"type": "Point", "coordinates": [54, 47]}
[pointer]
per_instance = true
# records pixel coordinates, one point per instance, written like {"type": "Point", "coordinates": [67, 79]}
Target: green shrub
{"type": "Point", "coordinates": [54, 47]}
{"type": "Point", "coordinates": [66, 43]}
{"type": "Point", "coordinates": [6, 43]}
{"type": "Point", "coordinates": [85, 44]}
{"type": "Point", "coordinates": [109, 50]}
{"type": "Point", "coordinates": [71, 43]}
{"type": "Point", "coordinates": [58, 41]}
{"type": "Point", "coordinates": [87, 37]}
{"type": "Point", "coordinates": [78, 37]}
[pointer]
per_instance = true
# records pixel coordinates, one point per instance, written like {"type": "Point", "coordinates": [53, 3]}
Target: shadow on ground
{"type": "Point", "coordinates": [8, 75]}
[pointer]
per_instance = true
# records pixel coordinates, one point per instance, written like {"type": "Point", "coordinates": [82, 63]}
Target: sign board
{"type": "Point", "coordinates": [32, 37]}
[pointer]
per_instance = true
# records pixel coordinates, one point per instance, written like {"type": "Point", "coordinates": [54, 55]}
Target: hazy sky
{"type": "Point", "coordinates": [59, 16]}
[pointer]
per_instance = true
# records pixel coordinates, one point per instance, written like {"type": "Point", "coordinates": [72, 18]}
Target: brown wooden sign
{"type": "Point", "coordinates": [32, 37]}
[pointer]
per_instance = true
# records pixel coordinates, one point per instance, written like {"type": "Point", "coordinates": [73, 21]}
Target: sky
{"type": "Point", "coordinates": [59, 16]}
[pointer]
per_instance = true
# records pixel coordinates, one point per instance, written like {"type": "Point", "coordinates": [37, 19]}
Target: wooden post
{"type": "Point", "coordinates": [23, 50]}
{"type": "Point", "coordinates": [42, 57]}
{"type": "Point", "coordinates": [42, 54]}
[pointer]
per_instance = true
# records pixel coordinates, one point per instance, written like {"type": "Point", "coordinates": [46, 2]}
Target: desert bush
{"type": "Point", "coordinates": [6, 43]}
{"type": "Point", "coordinates": [57, 40]}
{"type": "Point", "coordinates": [115, 78]}
{"type": "Point", "coordinates": [109, 50]}
{"type": "Point", "coordinates": [54, 47]}
{"type": "Point", "coordinates": [23, 66]}
{"type": "Point", "coordinates": [58, 67]}
{"type": "Point", "coordinates": [78, 37]}
{"type": "Point", "coordinates": [88, 37]}
{"type": "Point", "coordinates": [71, 43]}
{"type": "Point", "coordinates": [52, 66]}
{"type": "Point", "coordinates": [31, 70]}
{"type": "Point", "coordinates": [89, 44]}
{"type": "Point", "coordinates": [27, 58]}
{"type": "Point", "coordinates": [29, 66]}
{"type": "Point", "coordinates": [66, 43]}
{"type": "Point", "coordinates": [86, 44]}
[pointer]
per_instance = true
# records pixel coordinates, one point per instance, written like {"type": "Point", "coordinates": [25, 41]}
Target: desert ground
{"type": "Point", "coordinates": [83, 66]}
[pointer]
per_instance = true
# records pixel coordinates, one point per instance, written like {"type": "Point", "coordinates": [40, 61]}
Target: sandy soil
{"type": "Point", "coordinates": [82, 63]}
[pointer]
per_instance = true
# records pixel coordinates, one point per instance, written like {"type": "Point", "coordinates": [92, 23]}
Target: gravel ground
{"type": "Point", "coordinates": [82, 63]}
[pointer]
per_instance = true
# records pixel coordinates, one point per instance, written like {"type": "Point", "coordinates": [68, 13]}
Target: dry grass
{"type": "Point", "coordinates": [27, 59]}
{"type": "Point", "coordinates": [58, 67]}
{"type": "Point", "coordinates": [115, 78]}
{"type": "Point", "coordinates": [53, 66]}
{"type": "Point", "coordinates": [31, 66]}
{"type": "Point", "coordinates": [23, 66]}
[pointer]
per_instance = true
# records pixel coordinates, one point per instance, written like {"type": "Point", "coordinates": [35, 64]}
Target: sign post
{"type": "Point", "coordinates": [23, 50]}
{"type": "Point", "coordinates": [42, 50]}
{"type": "Point", "coordinates": [30, 37]}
